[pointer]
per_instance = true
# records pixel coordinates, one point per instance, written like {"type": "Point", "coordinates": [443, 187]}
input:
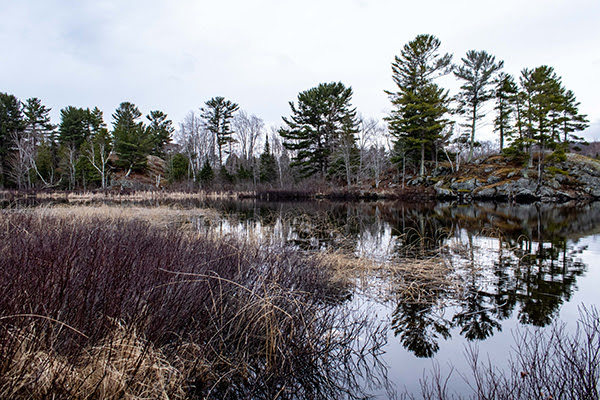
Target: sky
{"type": "Point", "coordinates": [175, 55]}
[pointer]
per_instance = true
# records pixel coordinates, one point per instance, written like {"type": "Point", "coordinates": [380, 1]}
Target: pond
{"type": "Point", "coordinates": [507, 267]}
{"type": "Point", "coordinates": [451, 277]}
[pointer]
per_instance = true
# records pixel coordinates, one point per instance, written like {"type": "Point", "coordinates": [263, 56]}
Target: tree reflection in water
{"type": "Point", "coordinates": [504, 258]}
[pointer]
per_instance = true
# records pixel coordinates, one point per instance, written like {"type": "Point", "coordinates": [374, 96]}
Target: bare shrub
{"type": "Point", "coordinates": [116, 308]}
{"type": "Point", "coordinates": [543, 364]}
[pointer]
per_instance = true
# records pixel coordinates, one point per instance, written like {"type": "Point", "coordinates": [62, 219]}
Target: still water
{"type": "Point", "coordinates": [507, 267]}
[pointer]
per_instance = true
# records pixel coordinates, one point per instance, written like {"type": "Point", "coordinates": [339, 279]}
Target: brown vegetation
{"type": "Point", "coordinates": [114, 308]}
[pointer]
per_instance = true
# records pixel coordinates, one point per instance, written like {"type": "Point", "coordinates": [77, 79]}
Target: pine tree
{"type": "Point", "coordinates": [268, 164]}
{"type": "Point", "coordinates": [321, 118]}
{"type": "Point", "coordinates": [39, 132]}
{"type": "Point", "coordinates": [11, 125]}
{"type": "Point", "coordinates": [217, 117]}
{"type": "Point", "coordinates": [550, 112]}
{"type": "Point", "coordinates": [477, 72]}
{"type": "Point", "coordinates": [37, 120]}
{"type": "Point", "coordinates": [160, 129]}
{"type": "Point", "coordinates": [206, 174]}
{"type": "Point", "coordinates": [570, 119]}
{"type": "Point", "coordinates": [505, 93]}
{"type": "Point", "coordinates": [420, 105]}
{"type": "Point", "coordinates": [74, 127]}
{"type": "Point", "coordinates": [132, 143]}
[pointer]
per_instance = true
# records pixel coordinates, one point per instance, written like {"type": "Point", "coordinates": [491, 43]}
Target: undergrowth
{"type": "Point", "coordinates": [126, 309]}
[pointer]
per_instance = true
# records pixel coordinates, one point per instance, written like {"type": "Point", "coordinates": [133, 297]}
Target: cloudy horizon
{"type": "Point", "coordinates": [174, 56]}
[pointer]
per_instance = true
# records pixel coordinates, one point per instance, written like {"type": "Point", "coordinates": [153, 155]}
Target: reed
{"type": "Point", "coordinates": [110, 307]}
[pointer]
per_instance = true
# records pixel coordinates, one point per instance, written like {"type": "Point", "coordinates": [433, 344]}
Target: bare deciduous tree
{"type": "Point", "coordinates": [248, 129]}
{"type": "Point", "coordinates": [197, 142]}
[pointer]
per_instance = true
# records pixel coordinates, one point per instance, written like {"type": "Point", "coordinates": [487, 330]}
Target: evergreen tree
{"type": "Point", "coordinates": [570, 119]}
{"type": "Point", "coordinates": [179, 167]}
{"type": "Point", "coordinates": [39, 133]}
{"type": "Point", "coordinates": [11, 125]}
{"type": "Point", "coordinates": [217, 115]}
{"type": "Point", "coordinates": [74, 127]}
{"type": "Point", "coordinates": [420, 105]}
{"type": "Point", "coordinates": [37, 120]}
{"type": "Point", "coordinates": [321, 119]}
{"type": "Point", "coordinates": [268, 164]}
{"type": "Point", "coordinates": [160, 129]}
{"type": "Point", "coordinates": [546, 102]}
{"type": "Point", "coordinates": [206, 174]}
{"type": "Point", "coordinates": [477, 72]}
{"type": "Point", "coordinates": [132, 142]}
{"type": "Point", "coordinates": [505, 93]}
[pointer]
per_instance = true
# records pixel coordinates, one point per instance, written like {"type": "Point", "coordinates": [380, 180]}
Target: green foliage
{"type": "Point", "coordinates": [552, 170]}
{"type": "Point", "coordinates": [179, 167]}
{"type": "Point", "coordinates": [225, 176]}
{"type": "Point", "coordinates": [505, 92]}
{"type": "Point", "coordinates": [74, 127]}
{"type": "Point", "coordinates": [477, 71]}
{"type": "Point", "coordinates": [46, 161]}
{"type": "Point", "coordinates": [217, 115]}
{"type": "Point", "coordinates": [160, 130]}
{"type": "Point", "coordinates": [268, 165]}
{"type": "Point", "coordinates": [132, 141]}
{"type": "Point", "coordinates": [244, 174]}
{"type": "Point", "coordinates": [322, 117]}
{"type": "Point", "coordinates": [11, 123]}
{"type": "Point", "coordinates": [37, 120]}
{"type": "Point", "coordinates": [206, 174]}
{"type": "Point", "coordinates": [420, 105]}
{"type": "Point", "coordinates": [515, 153]}
{"type": "Point", "coordinates": [547, 114]}
{"type": "Point", "coordinates": [558, 155]}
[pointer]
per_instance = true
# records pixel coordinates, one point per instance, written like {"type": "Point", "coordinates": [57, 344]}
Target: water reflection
{"type": "Point", "coordinates": [521, 259]}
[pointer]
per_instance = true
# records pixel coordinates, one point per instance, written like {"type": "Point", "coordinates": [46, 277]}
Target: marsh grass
{"type": "Point", "coordinates": [97, 305]}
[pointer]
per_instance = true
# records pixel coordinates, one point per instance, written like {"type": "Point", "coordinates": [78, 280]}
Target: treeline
{"type": "Point", "coordinates": [80, 152]}
{"type": "Point", "coordinates": [324, 137]}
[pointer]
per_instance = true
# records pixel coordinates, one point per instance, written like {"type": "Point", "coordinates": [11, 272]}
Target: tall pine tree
{"type": "Point", "coordinates": [268, 164]}
{"type": "Point", "coordinates": [505, 92]}
{"type": "Point", "coordinates": [322, 117]}
{"type": "Point", "coordinates": [11, 125]}
{"type": "Point", "coordinates": [160, 129]}
{"type": "Point", "coordinates": [217, 115]}
{"type": "Point", "coordinates": [420, 105]}
{"type": "Point", "coordinates": [132, 142]}
{"type": "Point", "coordinates": [477, 71]}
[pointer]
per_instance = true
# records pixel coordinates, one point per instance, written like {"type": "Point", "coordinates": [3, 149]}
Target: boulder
{"type": "Point", "coordinates": [468, 185]}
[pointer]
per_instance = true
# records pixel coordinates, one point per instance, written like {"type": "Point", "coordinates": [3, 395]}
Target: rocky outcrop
{"type": "Point", "coordinates": [577, 178]}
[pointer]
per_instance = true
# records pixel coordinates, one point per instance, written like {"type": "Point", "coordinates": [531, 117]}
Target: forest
{"type": "Point", "coordinates": [324, 139]}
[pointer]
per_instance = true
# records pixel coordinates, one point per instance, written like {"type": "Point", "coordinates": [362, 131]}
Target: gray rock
{"type": "Point", "coordinates": [468, 185]}
{"type": "Point", "coordinates": [485, 192]}
{"type": "Point", "coordinates": [493, 179]}
{"type": "Point", "coordinates": [443, 192]}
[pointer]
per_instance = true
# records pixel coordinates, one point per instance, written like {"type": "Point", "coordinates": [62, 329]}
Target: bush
{"type": "Point", "coordinates": [136, 311]}
{"type": "Point", "coordinates": [543, 364]}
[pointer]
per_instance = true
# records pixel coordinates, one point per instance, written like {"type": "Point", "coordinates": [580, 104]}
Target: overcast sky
{"type": "Point", "coordinates": [174, 55]}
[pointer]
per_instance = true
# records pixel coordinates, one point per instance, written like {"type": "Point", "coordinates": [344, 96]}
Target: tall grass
{"type": "Point", "coordinates": [94, 308]}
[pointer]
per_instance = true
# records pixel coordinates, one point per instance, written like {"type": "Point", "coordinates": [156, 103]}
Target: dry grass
{"type": "Point", "coordinates": [110, 303]}
{"type": "Point", "coordinates": [161, 216]}
{"type": "Point", "coordinates": [121, 366]}
{"type": "Point", "coordinates": [132, 196]}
